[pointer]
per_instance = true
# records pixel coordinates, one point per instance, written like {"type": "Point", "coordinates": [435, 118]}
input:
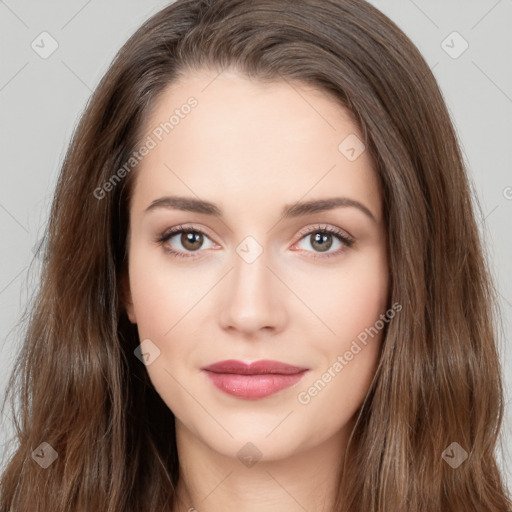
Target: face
{"type": "Point", "coordinates": [255, 274]}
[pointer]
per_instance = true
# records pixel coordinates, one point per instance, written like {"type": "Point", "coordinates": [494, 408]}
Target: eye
{"type": "Point", "coordinates": [190, 239]}
{"type": "Point", "coordinates": [322, 241]}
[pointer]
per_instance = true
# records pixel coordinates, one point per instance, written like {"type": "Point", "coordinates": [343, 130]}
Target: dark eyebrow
{"type": "Point", "coordinates": [190, 204]}
{"type": "Point", "coordinates": [321, 205]}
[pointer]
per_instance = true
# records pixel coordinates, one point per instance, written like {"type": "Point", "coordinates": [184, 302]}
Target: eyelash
{"type": "Point", "coordinates": [343, 238]}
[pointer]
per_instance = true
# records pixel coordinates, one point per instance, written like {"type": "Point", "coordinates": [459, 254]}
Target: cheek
{"type": "Point", "coordinates": [352, 304]}
{"type": "Point", "coordinates": [361, 299]}
{"type": "Point", "coordinates": [350, 301]}
{"type": "Point", "coordinates": [161, 293]}
{"type": "Point", "coordinates": [162, 296]}
{"type": "Point", "coordinates": [356, 304]}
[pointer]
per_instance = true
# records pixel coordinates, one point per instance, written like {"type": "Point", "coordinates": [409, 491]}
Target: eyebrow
{"type": "Point", "coordinates": [190, 204]}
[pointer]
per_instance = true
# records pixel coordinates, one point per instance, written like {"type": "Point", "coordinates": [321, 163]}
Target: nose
{"type": "Point", "coordinates": [252, 299]}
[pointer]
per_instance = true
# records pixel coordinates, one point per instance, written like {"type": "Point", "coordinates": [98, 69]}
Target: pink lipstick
{"type": "Point", "coordinates": [255, 380]}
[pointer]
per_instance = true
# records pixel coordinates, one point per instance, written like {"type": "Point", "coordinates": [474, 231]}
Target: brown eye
{"type": "Point", "coordinates": [191, 240]}
{"type": "Point", "coordinates": [183, 241]}
{"type": "Point", "coordinates": [321, 241]}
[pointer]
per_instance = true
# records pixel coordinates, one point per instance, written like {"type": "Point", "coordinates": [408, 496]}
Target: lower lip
{"type": "Point", "coordinates": [253, 386]}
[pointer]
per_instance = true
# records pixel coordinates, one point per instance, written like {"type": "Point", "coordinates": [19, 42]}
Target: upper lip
{"type": "Point", "coordinates": [254, 368]}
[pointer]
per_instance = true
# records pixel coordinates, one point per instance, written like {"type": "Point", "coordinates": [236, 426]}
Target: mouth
{"type": "Point", "coordinates": [254, 380]}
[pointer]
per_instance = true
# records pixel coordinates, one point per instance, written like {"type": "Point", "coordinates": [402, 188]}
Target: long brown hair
{"type": "Point", "coordinates": [81, 389]}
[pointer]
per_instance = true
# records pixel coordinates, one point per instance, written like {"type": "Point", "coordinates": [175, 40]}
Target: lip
{"type": "Point", "coordinates": [253, 380]}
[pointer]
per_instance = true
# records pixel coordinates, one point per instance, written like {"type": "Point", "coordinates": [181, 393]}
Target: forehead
{"type": "Point", "coordinates": [253, 141]}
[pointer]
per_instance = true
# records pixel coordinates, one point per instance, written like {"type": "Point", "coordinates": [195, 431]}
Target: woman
{"type": "Point", "coordinates": [192, 348]}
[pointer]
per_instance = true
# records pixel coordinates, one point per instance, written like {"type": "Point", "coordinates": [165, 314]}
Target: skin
{"type": "Point", "coordinates": [253, 148]}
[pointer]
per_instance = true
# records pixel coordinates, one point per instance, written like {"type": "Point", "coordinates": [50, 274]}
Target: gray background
{"type": "Point", "coordinates": [42, 98]}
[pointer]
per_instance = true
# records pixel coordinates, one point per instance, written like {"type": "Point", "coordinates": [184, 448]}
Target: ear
{"type": "Point", "coordinates": [125, 296]}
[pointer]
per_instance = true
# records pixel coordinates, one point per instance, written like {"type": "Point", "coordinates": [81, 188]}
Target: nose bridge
{"type": "Point", "coordinates": [251, 298]}
{"type": "Point", "coordinates": [251, 275]}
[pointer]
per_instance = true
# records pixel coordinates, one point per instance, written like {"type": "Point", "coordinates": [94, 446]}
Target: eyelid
{"type": "Point", "coordinates": [325, 227]}
{"type": "Point", "coordinates": [183, 227]}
